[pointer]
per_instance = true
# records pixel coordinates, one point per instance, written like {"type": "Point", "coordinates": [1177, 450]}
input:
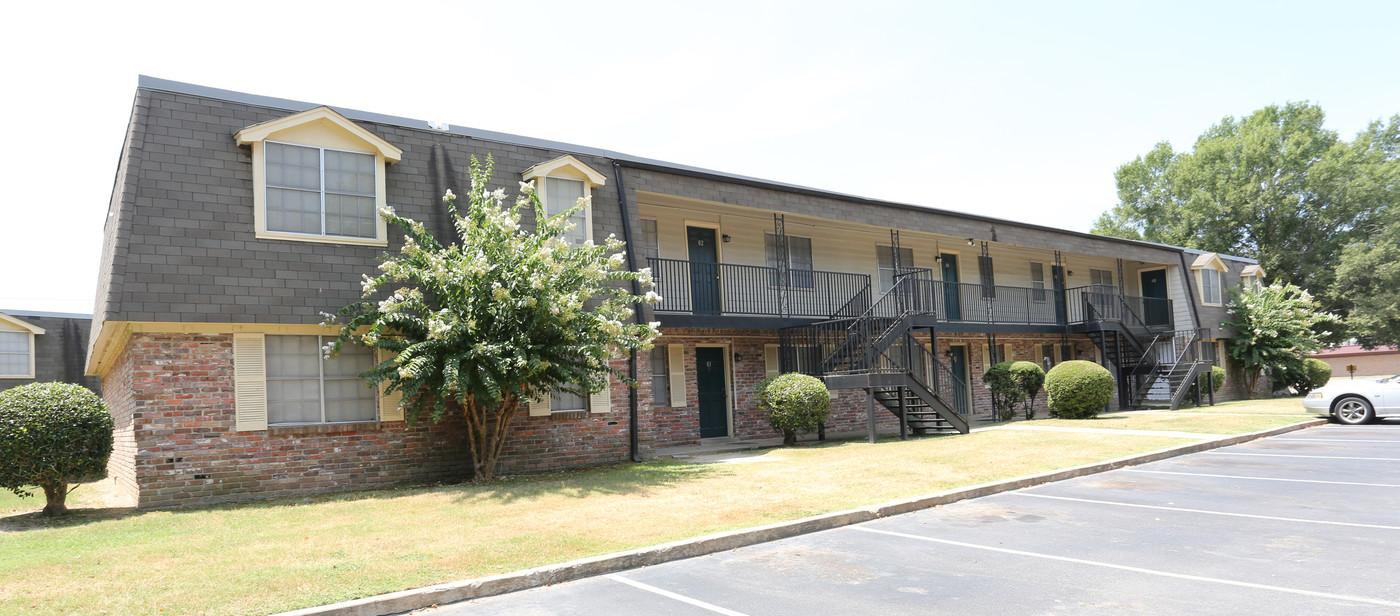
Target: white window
{"type": "Point", "coordinates": [318, 177]}
{"type": "Point", "coordinates": [16, 354]}
{"type": "Point", "coordinates": [303, 387]}
{"type": "Point", "coordinates": [799, 260]}
{"type": "Point", "coordinates": [1210, 286]}
{"type": "Point", "coordinates": [561, 401]}
{"type": "Point", "coordinates": [561, 195]}
{"type": "Point", "coordinates": [320, 191]}
{"type": "Point", "coordinates": [660, 377]}
{"type": "Point", "coordinates": [884, 256]}
{"type": "Point", "coordinates": [1101, 278]}
{"type": "Point", "coordinates": [650, 245]}
{"type": "Point", "coordinates": [561, 182]}
{"type": "Point", "coordinates": [1037, 282]}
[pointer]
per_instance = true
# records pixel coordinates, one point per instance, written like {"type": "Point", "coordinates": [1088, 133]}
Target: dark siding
{"type": "Point", "coordinates": [59, 352]}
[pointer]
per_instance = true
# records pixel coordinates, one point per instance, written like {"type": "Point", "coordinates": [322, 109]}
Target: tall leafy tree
{"type": "Point", "coordinates": [1276, 327]}
{"type": "Point", "coordinates": [479, 325]}
{"type": "Point", "coordinates": [1274, 185]}
{"type": "Point", "coordinates": [1368, 286]}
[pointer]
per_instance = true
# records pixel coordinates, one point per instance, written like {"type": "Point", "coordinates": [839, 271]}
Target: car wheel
{"type": "Point", "coordinates": [1354, 411]}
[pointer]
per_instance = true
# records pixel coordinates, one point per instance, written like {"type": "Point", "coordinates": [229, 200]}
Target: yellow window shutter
{"type": "Point", "coordinates": [770, 359]}
{"type": "Point", "coordinates": [1006, 354]}
{"type": "Point", "coordinates": [388, 401]}
{"type": "Point", "coordinates": [675, 355]}
{"type": "Point", "coordinates": [539, 405]}
{"type": "Point", "coordinates": [601, 402]}
{"type": "Point", "coordinates": [249, 382]}
{"type": "Point", "coordinates": [986, 357]}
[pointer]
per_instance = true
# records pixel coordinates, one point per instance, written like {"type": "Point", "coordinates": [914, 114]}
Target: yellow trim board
{"type": "Point", "coordinates": [263, 131]}
{"type": "Point", "coordinates": [15, 321]}
{"type": "Point", "coordinates": [553, 166]}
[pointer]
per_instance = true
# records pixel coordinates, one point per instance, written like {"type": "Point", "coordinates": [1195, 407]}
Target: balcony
{"type": "Point", "coordinates": [727, 290]}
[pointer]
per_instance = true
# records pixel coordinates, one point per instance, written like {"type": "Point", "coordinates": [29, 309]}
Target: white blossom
{"type": "Point", "coordinates": [448, 196]}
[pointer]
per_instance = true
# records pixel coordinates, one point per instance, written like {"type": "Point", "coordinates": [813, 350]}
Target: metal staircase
{"type": "Point", "coordinates": [1155, 368]}
{"type": "Point", "coordinates": [881, 352]}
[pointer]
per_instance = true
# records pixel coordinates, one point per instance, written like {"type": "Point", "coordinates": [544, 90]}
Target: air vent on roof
{"type": "Point", "coordinates": [438, 125]}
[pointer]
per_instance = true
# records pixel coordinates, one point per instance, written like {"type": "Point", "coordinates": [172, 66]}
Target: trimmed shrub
{"type": "Point", "coordinates": [1217, 379]}
{"type": "Point", "coordinates": [1028, 377]}
{"type": "Point", "coordinates": [52, 435]}
{"type": "Point", "coordinates": [1004, 389]}
{"type": "Point", "coordinates": [1078, 389]}
{"type": "Point", "coordinates": [794, 403]}
{"type": "Point", "coordinates": [1311, 375]}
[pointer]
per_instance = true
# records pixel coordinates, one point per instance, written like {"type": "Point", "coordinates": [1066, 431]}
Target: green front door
{"type": "Point", "coordinates": [1154, 298]}
{"type": "Point", "coordinates": [704, 270]}
{"type": "Point", "coordinates": [957, 364]}
{"type": "Point", "coordinates": [952, 304]}
{"type": "Point", "coordinates": [712, 395]}
{"type": "Point", "coordinates": [1057, 279]}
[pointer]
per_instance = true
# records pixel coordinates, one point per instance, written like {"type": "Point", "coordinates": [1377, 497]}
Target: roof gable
{"type": "Point", "coordinates": [321, 118]}
{"type": "Point", "coordinates": [6, 319]}
{"type": "Point", "coordinates": [1253, 270]}
{"type": "Point", "coordinates": [566, 166]}
{"type": "Point", "coordinates": [1209, 260]}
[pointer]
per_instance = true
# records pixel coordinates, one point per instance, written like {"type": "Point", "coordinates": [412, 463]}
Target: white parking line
{"type": "Point", "coordinates": [670, 595]}
{"type": "Point", "coordinates": [1337, 483]}
{"type": "Point", "coordinates": [1180, 576]}
{"type": "Point", "coordinates": [1294, 455]}
{"type": "Point", "coordinates": [1205, 511]}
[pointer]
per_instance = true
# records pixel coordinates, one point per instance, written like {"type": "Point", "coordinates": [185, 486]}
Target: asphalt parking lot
{"type": "Point", "coordinates": [1303, 523]}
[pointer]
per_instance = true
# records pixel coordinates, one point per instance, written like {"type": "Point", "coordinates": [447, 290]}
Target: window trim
{"type": "Point", "coordinates": [320, 378]}
{"type": "Point", "coordinates": [773, 263]}
{"type": "Point", "coordinates": [12, 324]}
{"type": "Point", "coordinates": [566, 167]}
{"type": "Point", "coordinates": [320, 128]}
{"type": "Point", "coordinates": [1201, 284]}
{"type": "Point", "coordinates": [880, 248]}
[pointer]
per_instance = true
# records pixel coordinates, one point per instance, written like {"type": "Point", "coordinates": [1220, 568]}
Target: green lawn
{"type": "Point", "coordinates": [281, 555]}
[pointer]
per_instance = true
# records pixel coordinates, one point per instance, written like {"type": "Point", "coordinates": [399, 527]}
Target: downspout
{"type": "Point", "coordinates": [1190, 294]}
{"type": "Point", "coordinates": [636, 290]}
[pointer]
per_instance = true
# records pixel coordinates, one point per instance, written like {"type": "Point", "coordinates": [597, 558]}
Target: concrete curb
{"type": "Point", "coordinates": [450, 592]}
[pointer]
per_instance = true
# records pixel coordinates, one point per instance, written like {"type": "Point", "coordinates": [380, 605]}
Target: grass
{"type": "Point", "coordinates": [90, 495]}
{"type": "Point", "coordinates": [1215, 423]}
{"type": "Point", "coordinates": [1292, 406]}
{"type": "Point", "coordinates": [281, 555]}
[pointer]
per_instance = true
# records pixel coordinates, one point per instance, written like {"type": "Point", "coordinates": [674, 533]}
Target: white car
{"type": "Point", "coordinates": [1356, 401]}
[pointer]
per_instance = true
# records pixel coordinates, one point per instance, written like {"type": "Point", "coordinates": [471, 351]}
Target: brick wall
{"type": "Point", "coordinates": [681, 426]}
{"type": "Point", "coordinates": [172, 395]}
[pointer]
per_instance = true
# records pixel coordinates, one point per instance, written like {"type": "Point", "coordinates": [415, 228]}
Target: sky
{"type": "Point", "coordinates": [1019, 110]}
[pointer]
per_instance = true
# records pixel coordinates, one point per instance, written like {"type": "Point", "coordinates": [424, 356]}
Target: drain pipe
{"type": "Point", "coordinates": [636, 290]}
{"type": "Point", "coordinates": [1190, 293]}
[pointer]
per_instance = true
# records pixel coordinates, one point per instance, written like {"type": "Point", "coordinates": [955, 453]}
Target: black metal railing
{"type": "Point", "coordinates": [700, 288]}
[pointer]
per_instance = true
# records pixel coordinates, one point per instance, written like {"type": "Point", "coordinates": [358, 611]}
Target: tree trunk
{"type": "Point", "coordinates": [1251, 379]}
{"type": "Point", "coordinates": [56, 497]}
{"type": "Point", "coordinates": [789, 438]}
{"type": "Point", "coordinates": [486, 432]}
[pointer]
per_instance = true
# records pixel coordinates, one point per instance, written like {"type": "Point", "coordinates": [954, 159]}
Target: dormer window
{"type": "Point", "coordinates": [1252, 276]}
{"type": "Point", "coordinates": [1209, 267]}
{"type": "Point", "coordinates": [17, 347]}
{"type": "Point", "coordinates": [318, 177]}
{"type": "Point", "coordinates": [561, 182]}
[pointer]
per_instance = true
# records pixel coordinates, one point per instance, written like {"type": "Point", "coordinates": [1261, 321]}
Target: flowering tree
{"type": "Point", "coordinates": [497, 317]}
{"type": "Point", "coordinates": [1277, 327]}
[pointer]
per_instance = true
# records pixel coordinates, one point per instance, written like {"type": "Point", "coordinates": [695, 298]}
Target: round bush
{"type": "Point", "coordinates": [51, 435]}
{"type": "Point", "coordinates": [1316, 373]}
{"type": "Point", "coordinates": [794, 403]}
{"type": "Point", "coordinates": [1217, 379]}
{"type": "Point", "coordinates": [1028, 378]}
{"type": "Point", "coordinates": [1078, 389]}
